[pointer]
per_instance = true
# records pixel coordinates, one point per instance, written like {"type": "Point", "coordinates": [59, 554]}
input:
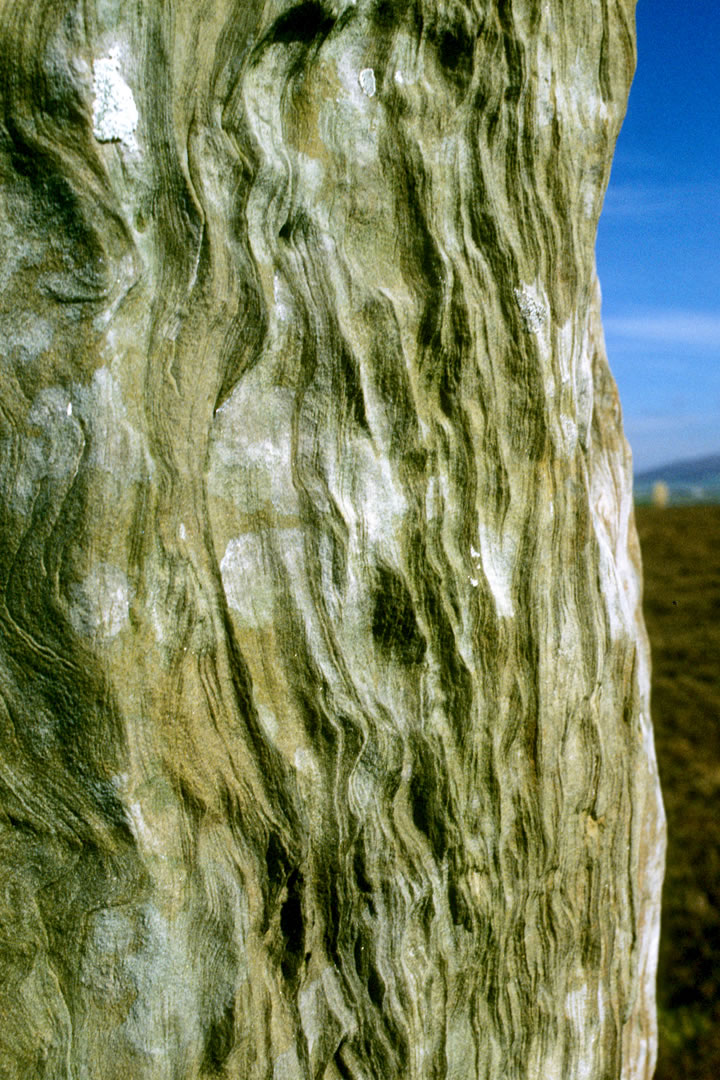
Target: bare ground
{"type": "Point", "coordinates": [681, 554]}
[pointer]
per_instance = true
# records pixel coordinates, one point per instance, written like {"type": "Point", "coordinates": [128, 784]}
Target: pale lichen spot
{"type": "Point", "coordinates": [287, 1066]}
{"type": "Point", "coordinates": [247, 578]}
{"type": "Point", "coordinates": [283, 299]}
{"type": "Point", "coordinates": [305, 763]}
{"type": "Point", "coordinates": [532, 311]}
{"type": "Point", "coordinates": [268, 719]}
{"type": "Point", "coordinates": [115, 115]}
{"type": "Point", "coordinates": [366, 79]}
{"type": "Point", "coordinates": [101, 603]}
{"type": "Point", "coordinates": [140, 829]}
{"type": "Point", "coordinates": [477, 559]}
{"type": "Point", "coordinates": [605, 509]}
{"type": "Point", "coordinates": [102, 408]}
{"type": "Point", "coordinates": [575, 1006]}
{"type": "Point", "coordinates": [313, 1012]}
{"type": "Point", "coordinates": [497, 558]}
{"type": "Point", "coordinates": [569, 431]}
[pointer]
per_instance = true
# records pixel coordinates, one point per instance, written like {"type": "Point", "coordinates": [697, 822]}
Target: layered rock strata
{"type": "Point", "coordinates": [325, 746]}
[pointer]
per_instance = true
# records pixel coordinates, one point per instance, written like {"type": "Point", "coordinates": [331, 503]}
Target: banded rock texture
{"type": "Point", "coordinates": [326, 748]}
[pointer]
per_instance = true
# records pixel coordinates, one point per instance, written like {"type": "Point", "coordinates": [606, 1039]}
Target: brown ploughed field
{"type": "Point", "coordinates": [681, 556]}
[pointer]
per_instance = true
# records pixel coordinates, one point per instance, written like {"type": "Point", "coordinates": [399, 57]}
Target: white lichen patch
{"type": "Point", "coordinates": [305, 763]}
{"type": "Point", "coordinates": [142, 832]}
{"type": "Point", "coordinates": [313, 1012]}
{"type": "Point", "coordinates": [24, 335]}
{"type": "Point", "coordinates": [162, 1023]}
{"type": "Point", "coordinates": [497, 558]}
{"type": "Point", "coordinates": [324, 1013]}
{"type": "Point", "coordinates": [287, 1066]}
{"type": "Point", "coordinates": [268, 719]}
{"type": "Point", "coordinates": [250, 584]}
{"type": "Point", "coordinates": [311, 177]}
{"type": "Point", "coordinates": [246, 581]}
{"type": "Point", "coordinates": [115, 115]}
{"type": "Point", "coordinates": [385, 505]}
{"type": "Point", "coordinates": [569, 432]}
{"type": "Point", "coordinates": [615, 570]}
{"type": "Point", "coordinates": [575, 1006]}
{"type": "Point", "coordinates": [53, 449]}
{"type": "Point", "coordinates": [350, 123]}
{"type": "Point", "coordinates": [476, 557]}
{"type": "Point", "coordinates": [283, 299]}
{"type": "Point", "coordinates": [113, 438]}
{"type": "Point", "coordinates": [532, 309]}
{"type": "Point", "coordinates": [366, 78]}
{"type": "Point", "coordinates": [254, 427]}
{"type": "Point", "coordinates": [100, 605]}
{"type": "Point", "coordinates": [585, 1016]}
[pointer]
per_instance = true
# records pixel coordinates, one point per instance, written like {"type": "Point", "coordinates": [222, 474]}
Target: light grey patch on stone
{"type": "Point", "coordinates": [366, 79]}
{"type": "Point", "coordinates": [50, 449]}
{"type": "Point", "coordinates": [24, 335]}
{"type": "Point", "coordinates": [246, 581]}
{"type": "Point", "coordinates": [102, 971]}
{"type": "Point", "coordinates": [287, 1066]}
{"type": "Point", "coordinates": [19, 247]}
{"type": "Point", "coordinates": [268, 719]}
{"type": "Point", "coordinates": [115, 446]}
{"type": "Point", "coordinates": [56, 442]}
{"type": "Point", "coordinates": [250, 453]}
{"type": "Point", "coordinates": [162, 1022]}
{"type": "Point", "coordinates": [497, 559]}
{"type": "Point", "coordinates": [324, 1015]}
{"type": "Point", "coordinates": [532, 311]}
{"type": "Point", "coordinates": [115, 115]}
{"type": "Point", "coordinates": [101, 603]}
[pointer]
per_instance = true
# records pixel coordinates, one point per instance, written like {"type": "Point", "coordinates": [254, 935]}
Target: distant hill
{"type": "Point", "coordinates": [696, 480]}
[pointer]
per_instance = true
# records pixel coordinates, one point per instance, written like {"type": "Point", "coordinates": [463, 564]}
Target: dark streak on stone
{"type": "Point", "coordinates": [394, 625]}
{"type": "Point", "coordinates": [292, 926]}
{"type": "Point", "coordinates": [304, 24]}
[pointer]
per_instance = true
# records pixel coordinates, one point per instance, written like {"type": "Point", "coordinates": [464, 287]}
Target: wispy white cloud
{"type": "Point", "coordinates": [671, 423]}
{"type": "Point", "coordinates": [691, 328]}
{"type": "Point", "coordinates": [636, 200]}
{"type": "Point", "coordinates": [642, 199]}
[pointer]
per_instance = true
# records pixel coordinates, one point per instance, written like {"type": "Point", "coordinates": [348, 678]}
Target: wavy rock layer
{"type": "Point", "coordinates": [324, 685]}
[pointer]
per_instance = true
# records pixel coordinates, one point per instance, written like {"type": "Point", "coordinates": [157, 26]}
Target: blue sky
{"type": "Point", "coordinates": [658, 246]}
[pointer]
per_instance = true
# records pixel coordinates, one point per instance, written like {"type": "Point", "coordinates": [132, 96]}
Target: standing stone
{"type": "Point", "coordinates": [660, 494]}
{"type": "Point", "coordinates": [325, 743]}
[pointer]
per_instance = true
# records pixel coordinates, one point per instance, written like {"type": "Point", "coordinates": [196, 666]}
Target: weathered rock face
{"type": "Point", "coordinates": [324, 685]}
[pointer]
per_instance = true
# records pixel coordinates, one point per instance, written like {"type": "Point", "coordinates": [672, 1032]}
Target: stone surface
{"type": "Point", "coordinates": [324, 720]}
